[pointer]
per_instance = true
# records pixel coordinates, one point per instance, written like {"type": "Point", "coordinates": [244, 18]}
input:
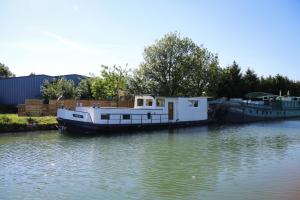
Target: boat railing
{"type": "Point", "coordinates": [148, 118]}
{"type": "Point", "coordinates": [256, 105]}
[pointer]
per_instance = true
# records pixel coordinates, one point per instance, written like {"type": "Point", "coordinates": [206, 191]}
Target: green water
{"type": "Point", "coordinates": [254, 161]}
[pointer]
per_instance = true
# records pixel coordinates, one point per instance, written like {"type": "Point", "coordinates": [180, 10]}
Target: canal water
{"type": "Point", "coordinates": [250, 161]}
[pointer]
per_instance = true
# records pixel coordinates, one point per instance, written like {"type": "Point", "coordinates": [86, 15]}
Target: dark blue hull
{"type": "Point", "coordinates": [234, 115]}
{"type": "Point", "coordinates": [86, 127]}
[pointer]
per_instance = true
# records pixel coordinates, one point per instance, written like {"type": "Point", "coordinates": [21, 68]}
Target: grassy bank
{"type": "Point", "coordinates": [14, 123]}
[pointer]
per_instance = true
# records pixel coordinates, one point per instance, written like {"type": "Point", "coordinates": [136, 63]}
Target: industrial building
{"type": "Point", "coordinates": [15, 90]}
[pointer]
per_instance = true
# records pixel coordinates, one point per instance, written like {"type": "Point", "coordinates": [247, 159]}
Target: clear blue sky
{"type": "Point", "coordinates": [60, 37]}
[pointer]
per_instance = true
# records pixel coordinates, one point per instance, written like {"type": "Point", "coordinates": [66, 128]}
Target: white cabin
{"type": "Point", "coordinates": [147, 110]}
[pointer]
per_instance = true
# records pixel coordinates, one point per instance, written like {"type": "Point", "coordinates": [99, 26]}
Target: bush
{"type": "Point", "coordinates": [4, 119]}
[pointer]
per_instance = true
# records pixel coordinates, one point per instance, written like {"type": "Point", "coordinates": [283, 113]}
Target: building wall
{"type": "Point", "coordinates": [15, 90]}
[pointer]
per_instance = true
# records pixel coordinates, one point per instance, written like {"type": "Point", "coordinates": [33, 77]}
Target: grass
{"type": "Point", "coordinates": [13, 122]}
{"type": "Point", "coordinates": [15, 119]}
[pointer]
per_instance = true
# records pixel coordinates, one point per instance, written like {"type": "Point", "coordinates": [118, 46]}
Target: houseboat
{"type": "Point", "coordinates": [149, 112]}
{"type": "Point", "coordinates": [257, 107]}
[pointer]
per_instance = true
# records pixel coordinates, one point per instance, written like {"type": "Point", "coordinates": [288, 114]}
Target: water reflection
{"type": "Point", "coordinates": [186, 164]}
{"type": "Point", "coordinates": [189, 163]}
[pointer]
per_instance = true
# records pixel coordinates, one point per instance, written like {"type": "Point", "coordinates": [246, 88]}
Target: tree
{"type": "Point", "coordinates": [250, 82]}
{"type": "Point", "coordinates": [58, 88]}
{"type": "Point", "coordinates": [5, 72]}
{"type": "Point", "coordinates": [111, 81]}
{"type": "Point", "coordinates": [175, 66]}
{"type": "Point", "coordinates": [84, 89]}
{"type": "Point", "coordinates": [98, 88]}
{"type": "Point", "coordinates": [203, 78]}
{"type": "Point", "coordinates": [215, 72]}
{"type": "Point", "coordinates": [279, 83]}
{"type": "Point", "coordinates": [230, 84]}
{"type": "Point", "coordinates": [138, 83]}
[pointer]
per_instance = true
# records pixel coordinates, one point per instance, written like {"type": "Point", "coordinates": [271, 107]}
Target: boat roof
{"type": "Point", "coordinates": [157, 96]}
{"type": "Point", "coordinates": [259, 95]}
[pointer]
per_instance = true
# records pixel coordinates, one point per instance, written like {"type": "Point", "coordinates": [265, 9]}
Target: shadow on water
{"type": "Point", "coordinates": [211, 129]}
{"type": "Point", "coordinates": [134, 133]}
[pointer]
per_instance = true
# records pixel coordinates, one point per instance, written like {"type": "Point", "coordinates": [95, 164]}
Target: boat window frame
{"type": "Point", "coordinates": [147, 101]}
{"type": "Point", "coordinates": [125, 118]}
{"type": "Point", "coordinates": [193, 103]}
{"type": "Point", "coordinates": [163, 101]}
{"type": "Point", "coordinates": [138, 101]}
{"type": "Point", "coordinates": [78, 116]}
{"type": "Point", "coordinates": [105, 118]}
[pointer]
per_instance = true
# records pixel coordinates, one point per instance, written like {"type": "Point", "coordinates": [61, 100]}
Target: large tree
{"type": "Point", "coordinates": [5, 72]}
{"type": "Point", "coordinates": [109, 83]}
{"type": "Point", "coordinates": [175, 66]}
{"type": "Point", "coordinates": [231, 83]}
{"type": "Point", "coordinates": [58, 88]}
{"type": "Point", "coordinates": [250, 82]}
{"type": "Point", "coordinates": [84, 89]}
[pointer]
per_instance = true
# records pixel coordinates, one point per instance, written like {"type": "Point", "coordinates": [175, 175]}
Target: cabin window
{"type": "Point", "coordinates": [149, 102]}
{"type": "Point", "coordinates": [160, 102]}
{"type": "Point", "coordinates": [149, 115]}
{"type": "Point", "coordinates": [126, 117]}
{"type": "Point", "coordinates": [78, 116]}
{"type": "Point", "coordinates": [105, 117]}
{"type": "Point", "coordinates": [140, 102]}
{"type": "Point", "coordinates": [193, 103]}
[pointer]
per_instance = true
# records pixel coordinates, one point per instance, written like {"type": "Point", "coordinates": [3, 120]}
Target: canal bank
{"type": "Point", "coordinates": [15, 123]}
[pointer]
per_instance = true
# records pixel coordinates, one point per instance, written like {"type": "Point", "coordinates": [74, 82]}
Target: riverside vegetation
{"type": "Point", "coordinates": [172, 66]}
{"type": "Point", "coordinates": [14, 123]}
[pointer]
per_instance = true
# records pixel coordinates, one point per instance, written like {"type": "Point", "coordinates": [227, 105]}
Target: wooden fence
{"type": "Point", "coordinates": [36, 107]}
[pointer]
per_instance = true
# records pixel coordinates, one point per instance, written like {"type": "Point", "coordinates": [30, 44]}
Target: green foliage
{"type": "Point", "coordinates": [58, 88]}
{"type": "Point", "coordinates": [15, 119]}
{"type": "Point", "coordinates": [106, 86]}
{"type": "Point", "coordinates": [174, 66]}
{"type": "Point", "coordinates": [84, 89]}
{"type": "Point", "coordinates": [250, 81]}
{"type": "Point", "coordinates": [230, 84]}
{"type": "Point", "coordinates": [4, 119]}
{"type": "Point", "coordinates": [234, 84]}
{"type": "Point", "coordinates": [111, 81]}
{"type": "Point", "coordinates": [202, 75]}
{"type": "Point", "coordinates": [98, 88]}
{"type": "Point", "coordinates": [279, 83]}
{"type": "Point", "coordinates": [5, 72]}
{"type": "Point", "coordinates": [139, 84]}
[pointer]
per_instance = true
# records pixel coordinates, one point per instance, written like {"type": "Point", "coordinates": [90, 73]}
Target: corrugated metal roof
{"type": "Point", "coordinates": [15, 90]}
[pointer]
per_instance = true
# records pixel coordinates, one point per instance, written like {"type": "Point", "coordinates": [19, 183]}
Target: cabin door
{"type": "Point", "coordinates": [170, 110]}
